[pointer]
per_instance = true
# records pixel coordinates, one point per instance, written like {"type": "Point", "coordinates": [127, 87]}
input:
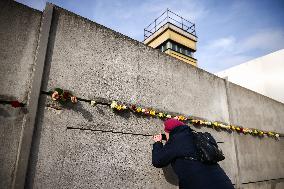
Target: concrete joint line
{"type": "Point", "coordinates": [238, 179]}
{"type": "Point", "coordinates": [32, 104]}
{"type": "Point", "coordinates": [277, 179]}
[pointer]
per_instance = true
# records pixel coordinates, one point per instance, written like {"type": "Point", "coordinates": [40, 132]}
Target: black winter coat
{"type": "Point", "coordinates": [191, 174]}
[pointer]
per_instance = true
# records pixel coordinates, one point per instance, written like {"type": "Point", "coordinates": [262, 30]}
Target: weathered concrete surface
{"type": "Point", "coordinates": [107, 160]}
{"type": "Point", "coordinates": [273, 184]}
{"type": "Point", "coordinates": [253, 110]}
{"type": "Point", "coordinates": [94, 61]}
{"type": "Point", "coordinates": [259, 158]}
{"type": "Point", "coordinates": [19, 30]}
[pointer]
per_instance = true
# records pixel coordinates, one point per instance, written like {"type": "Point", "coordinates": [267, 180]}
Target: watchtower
{"type": "Point", "coordinates": [173, 35]}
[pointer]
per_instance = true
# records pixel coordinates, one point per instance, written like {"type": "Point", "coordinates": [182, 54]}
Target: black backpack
{"type": "Point", "coordinates": [207, 148]}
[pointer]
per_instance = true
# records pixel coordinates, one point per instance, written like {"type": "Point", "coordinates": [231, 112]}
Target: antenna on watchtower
{"type": "Point", "coordinates": [173, 35]}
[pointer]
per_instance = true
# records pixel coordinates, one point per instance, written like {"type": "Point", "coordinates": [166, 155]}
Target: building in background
{"type": "Point", "coordinates": [173, 35]}
{"type": "Point", "coordinates": [264, 75]}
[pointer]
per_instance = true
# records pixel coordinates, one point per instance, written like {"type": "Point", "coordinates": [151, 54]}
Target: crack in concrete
{"type": "Point", "coordinates": [108, 131]}
{"type": "Point", "coordinates": [111, 131]}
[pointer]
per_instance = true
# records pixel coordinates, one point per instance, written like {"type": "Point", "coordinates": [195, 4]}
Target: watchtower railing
{"type": "Point", "coordinates": [169, 17]}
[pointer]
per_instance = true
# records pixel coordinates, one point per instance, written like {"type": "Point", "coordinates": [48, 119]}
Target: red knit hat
{"type": "Point", "coordinates": [170, 124]}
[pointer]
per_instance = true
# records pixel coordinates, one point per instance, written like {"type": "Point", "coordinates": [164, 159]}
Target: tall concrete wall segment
{"type": "Point", "coordinates": [93, 61]}
{"type": "Point", "coordinates": [19, 30]}
{"type": "Point", "coordinates": [259, 158]}
{"type": "Point", "coordinates": [94, 147]}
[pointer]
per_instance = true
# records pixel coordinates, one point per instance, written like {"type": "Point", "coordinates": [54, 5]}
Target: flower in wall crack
{"type": "Point", "coordinates": [93, 103]}
{"type": "Point", "coordinates": [277, 135]}
{"type": "Point", "coordinates": [65, 96]}
{"type": "Point", "coordinates": [215, 124]}
{"type": "Point", "coordinates": [139, 110]}
{"type": "Point", "coordinates": [146, 112]}
{"type": "Point", "coordinates": [271, 134]}
{"type": "Point", "coordinates": [261, 133]}
{"type": "Point", "coordinates": [245, 130]}
{"type": "Point", "coordinates": [133, 107]}
{"type": "Point", "coordinates": [194, 121]}
{"type": "Point", "coordinates": [15, 104]}
{"type": "Point", "coordinates": [55, 96]}
{"type": "Point", "coordinates": [161, 115]}
{"type": "Point", "coordinates": [74, 99]}
{"type": "Point", "coordinates": [233, 127]}
{"type": "Point", "coordinates": [118, 107]}
{"type": "Point", "coordinates": [113, 104]}
{"type": "Point", "coordinates": [181, 118]}
{"type": "Point", "coordinates": [209, 123]}
{"type": "Point", "coordinates": [152, 112]}
{"type": "Point", "coordinates": [168, 116]}
{"type": "Point", "coordinates": [255, 131]}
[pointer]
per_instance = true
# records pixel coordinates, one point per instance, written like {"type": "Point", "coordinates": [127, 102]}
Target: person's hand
{"type": "Point", "coordinates": [157, 138]}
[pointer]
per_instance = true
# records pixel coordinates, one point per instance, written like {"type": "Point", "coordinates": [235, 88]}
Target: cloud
{"type": "Point", "coordinates": [269, 40]}
{"type": "Point", "coordinates": [131, 17]}
{"type": "Point", "coordinates": [229, 51]}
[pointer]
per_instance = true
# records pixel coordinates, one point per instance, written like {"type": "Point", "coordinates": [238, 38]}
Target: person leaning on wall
{"type": "Point", "coordinates": [180, 151]}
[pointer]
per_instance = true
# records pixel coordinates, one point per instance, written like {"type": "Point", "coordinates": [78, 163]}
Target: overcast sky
{"type": "Point", "coordinates": [229, 32]}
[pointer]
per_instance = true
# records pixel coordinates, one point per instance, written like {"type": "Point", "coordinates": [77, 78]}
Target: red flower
{"type": "Point", "coordinates": [15, 104]}
{"type": "Point", "coordinates": [66, 95]}
{"type": "Point", "coordinates": [133, 107]}
{"type": "Point", "coordinates": [241, 129]}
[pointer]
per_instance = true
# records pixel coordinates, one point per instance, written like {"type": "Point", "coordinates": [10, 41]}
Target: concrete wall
{"type": "Point", "coordinates": [93, 147]}
{"type": "Point", "coordinates": [263, 75]}
{"type": "Point", "coordinates": [19, 30]}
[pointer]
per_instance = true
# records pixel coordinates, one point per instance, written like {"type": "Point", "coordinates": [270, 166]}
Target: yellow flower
{"type": "Point", "coordinates": [270, 133]}
{"type": "Point", "coordinates": [215, 124]}
{"type": "Point", "coordinates": [194, 121]}
{"type": "Point", "coordinates": [119, 107]}
{"type": "Point", "coordinates": [152, 112]}
{"type": "Point", "coordinates": [261, 133]}
{"type": "Point", "coordinates": [227, 126]}
{"type": "Point", "coordinates": [233, 127]}
{"type": "Point", "coordinates": [161, 115]}
{"type": "Point", "coordinates": [139, 110]}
